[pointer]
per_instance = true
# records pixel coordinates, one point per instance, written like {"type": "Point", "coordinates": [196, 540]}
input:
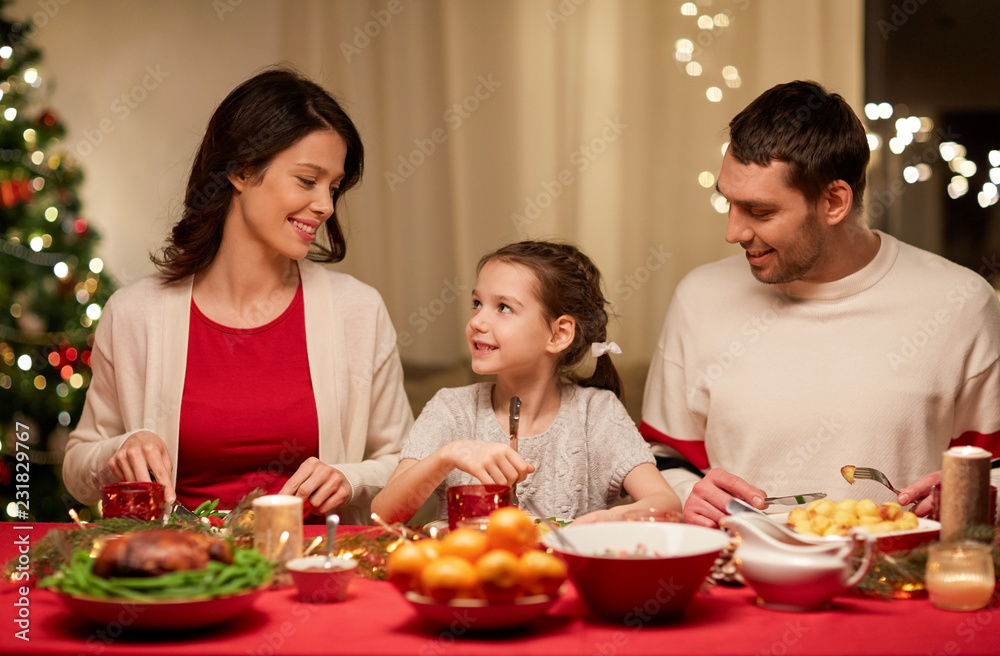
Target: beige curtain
{"type": "Point", "coordinates": [488, 122]}
{"type": "Point", "coordinates": [485, 122]}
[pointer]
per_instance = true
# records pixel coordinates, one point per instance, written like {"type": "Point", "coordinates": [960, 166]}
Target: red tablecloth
{"type": "Point", "coordinates": [375, 619]}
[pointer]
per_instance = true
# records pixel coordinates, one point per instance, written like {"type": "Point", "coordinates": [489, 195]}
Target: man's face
{"type": "Point", "coordinates": [782, 234]}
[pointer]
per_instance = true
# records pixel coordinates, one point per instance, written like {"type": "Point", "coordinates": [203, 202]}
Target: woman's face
{"type": "Point", "coordinates": [280, 211]}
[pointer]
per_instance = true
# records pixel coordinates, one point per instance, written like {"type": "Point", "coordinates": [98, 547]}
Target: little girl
{"type": "Point", "coordinates": [537, 311]}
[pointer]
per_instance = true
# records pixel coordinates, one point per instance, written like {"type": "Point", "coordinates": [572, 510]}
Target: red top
{"type": "Point", "coordinates": [248, 415]}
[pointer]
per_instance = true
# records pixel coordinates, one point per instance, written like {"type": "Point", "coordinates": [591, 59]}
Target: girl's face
{"type": "Point", "coordinates": [508, 332]}
{"type": "Point", "coordinates": [282, 211]}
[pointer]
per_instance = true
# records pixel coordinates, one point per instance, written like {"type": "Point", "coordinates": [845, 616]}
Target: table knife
{"type": "Point", "coordinates": [796, 499]}
{"type": "Point", "coordinates": [183, 514]}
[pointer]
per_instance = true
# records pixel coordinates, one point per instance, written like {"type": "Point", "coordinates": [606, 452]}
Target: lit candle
{"type": "Point", "coordinates": [960, 575]}
{"type": "Point", "coordinates": [274, 515]}
{"type": "Point", "coordinates": [965, 486]}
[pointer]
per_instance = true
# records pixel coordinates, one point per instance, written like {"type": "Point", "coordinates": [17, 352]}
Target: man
{"type": "Point", "coordinates": [839, 346]}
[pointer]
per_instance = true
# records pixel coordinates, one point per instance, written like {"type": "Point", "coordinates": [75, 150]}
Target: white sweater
{"type": "Point", "coordinates": [784, 384]}
{"type": "Point", "coordinates": [139, 359]}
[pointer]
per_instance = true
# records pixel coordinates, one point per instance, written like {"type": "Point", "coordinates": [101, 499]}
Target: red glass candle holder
{"type": "Point", "coordinates": [468, 501]}
{"type": "Point", "coordinates": [134, 500]}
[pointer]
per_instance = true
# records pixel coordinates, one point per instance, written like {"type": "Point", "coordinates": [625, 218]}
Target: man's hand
{"type": "Point", "coordinates": [709, 496]}
{"type": "Point", "coordinates": [323, 486]}
{"type": "Point", "coordinates": [143, 456]}
{"type": "Point", "coordinates": [920, 493]}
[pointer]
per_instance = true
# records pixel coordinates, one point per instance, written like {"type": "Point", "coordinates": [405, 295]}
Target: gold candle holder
{"type": "Point", "coordinates": [274, 515]}
{"type": "Point", "coordinates": [960, 575]}
{"type": "Point", "coordinates": [965, 488]}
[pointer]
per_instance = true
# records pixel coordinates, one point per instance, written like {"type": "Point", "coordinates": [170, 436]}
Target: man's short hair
{"type": "Point", "coordinates": [812, 130]}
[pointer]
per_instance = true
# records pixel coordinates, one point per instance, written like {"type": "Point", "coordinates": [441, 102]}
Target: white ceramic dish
{"type": "Point", "coordinates": [927, 530]}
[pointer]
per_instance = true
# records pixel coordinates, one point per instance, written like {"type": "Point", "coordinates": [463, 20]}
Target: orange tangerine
{"type": "Point", "coordinates": [467, 543]}
{"type": "Point", "coordinates": [431, 547]}
{"type": "Point", "coordinates": [499, 574]}
{"type": "Point", "coordinates": [541, 573]}
{"type": "Point", "coordinates": [449, 577]}
{"type": "Point", "coordinates": [405, 565]}
{"type": "Point", "coordinates": [512, 529]}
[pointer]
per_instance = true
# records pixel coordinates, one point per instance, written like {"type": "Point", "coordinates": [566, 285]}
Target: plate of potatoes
{"type": "Point", "coordinates": [893, 527]}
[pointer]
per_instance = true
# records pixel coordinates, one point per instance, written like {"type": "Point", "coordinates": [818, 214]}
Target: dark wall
{"type": "Point", "coordinates": [939, 53]}
{"type": "Point", "coordinates": [938, 58]}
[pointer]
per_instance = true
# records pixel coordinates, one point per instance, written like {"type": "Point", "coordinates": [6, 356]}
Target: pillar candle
{"type": "Point", "coordinates": [273, 515]}
{"type": "Point", "coordinates": [965, 487]}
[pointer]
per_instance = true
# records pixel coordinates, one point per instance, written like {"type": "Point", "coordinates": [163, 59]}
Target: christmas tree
{"type": "Point", "coordinates": [52, 288]}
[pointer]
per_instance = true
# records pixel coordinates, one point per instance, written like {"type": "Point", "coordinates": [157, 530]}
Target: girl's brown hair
{"type": "Point", "coordinates": [265, 115]}
{"type": "Point", "coordinates": [568, 284]}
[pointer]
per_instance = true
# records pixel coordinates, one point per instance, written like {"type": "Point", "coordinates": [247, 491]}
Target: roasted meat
{"type": "Point", "coordinates": [151, 553]}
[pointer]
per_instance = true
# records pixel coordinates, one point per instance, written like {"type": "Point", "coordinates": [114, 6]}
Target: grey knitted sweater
{"type": "Point", "coordinates": [580, 461]}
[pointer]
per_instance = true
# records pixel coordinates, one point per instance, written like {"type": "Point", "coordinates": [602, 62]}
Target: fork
{"type": "Point", "coordinates": [874, 475]}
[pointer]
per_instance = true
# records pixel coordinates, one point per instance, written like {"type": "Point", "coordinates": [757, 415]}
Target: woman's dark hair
{"type": "Point", "coordinates": [262, 117]}
{"type": "Point", "coordinates": [568, 284]}
{"type": "Point", "coordinates": [814, 131]}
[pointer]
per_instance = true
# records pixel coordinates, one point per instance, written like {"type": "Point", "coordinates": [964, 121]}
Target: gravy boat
{"type": "Point", "coordinates": [792, 574]}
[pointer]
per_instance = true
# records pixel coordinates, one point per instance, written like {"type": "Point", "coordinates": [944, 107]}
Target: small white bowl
{"type": "Point", "coordinates": [318, 583]}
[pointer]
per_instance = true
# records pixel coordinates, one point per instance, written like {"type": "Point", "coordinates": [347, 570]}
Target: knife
{"type": "Point", "coordinates": [796, 499]}
{"type": "Point", "coordinates": [183, 514]}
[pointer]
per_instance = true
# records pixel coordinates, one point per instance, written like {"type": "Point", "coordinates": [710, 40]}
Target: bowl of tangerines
{"type": "Point", "coordinates": [489, 577]}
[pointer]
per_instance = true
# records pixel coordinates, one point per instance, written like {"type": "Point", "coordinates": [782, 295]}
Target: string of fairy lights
{"type": "Point", "coordinates": [912, 130]}
{"type": "Point", "coordinates": [909, 130]}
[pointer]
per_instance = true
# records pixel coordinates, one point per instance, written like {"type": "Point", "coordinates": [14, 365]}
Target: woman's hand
{"type": "Point", "coordinates": [141, 454]}
{"type": "Point", "coordinates": [491, 462]}
{"type": "Point", "coordinates": [323, 486]}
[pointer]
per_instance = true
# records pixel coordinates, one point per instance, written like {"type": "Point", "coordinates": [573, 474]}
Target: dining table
{"type": "Point", "coordinates": [376, 619]}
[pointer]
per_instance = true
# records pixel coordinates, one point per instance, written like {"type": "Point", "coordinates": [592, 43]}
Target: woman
{"type": "Point", "coordinates": [245, 364]}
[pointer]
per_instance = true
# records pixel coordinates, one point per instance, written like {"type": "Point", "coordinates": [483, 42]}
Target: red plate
{"type": "Point", "coordinates": [477, 615]}
{"type": "Point", "coordinates": [160, 615]}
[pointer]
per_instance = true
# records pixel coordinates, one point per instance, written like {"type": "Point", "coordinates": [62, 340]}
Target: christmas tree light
{"type": "Point", "coordinates": [52, 287]}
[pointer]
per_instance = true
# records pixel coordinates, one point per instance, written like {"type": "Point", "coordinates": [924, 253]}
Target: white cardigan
{"type": "Point", "coordinates": [139, 359]}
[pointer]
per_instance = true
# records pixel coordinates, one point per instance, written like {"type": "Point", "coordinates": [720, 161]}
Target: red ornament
{"type": "Point", "coordinates": [14, 192]}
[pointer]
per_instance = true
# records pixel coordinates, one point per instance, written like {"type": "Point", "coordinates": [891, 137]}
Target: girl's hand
{"type": "Point", "coordinates": [640, 511]}
{"type": "Point", "coordinates": [491, 462]}
{"type": "Point", "coordinates": [607, 515]}
{"type": "Point", "coordinates": [143, 457]}
{"type": "Point", "coordinates": [323, 486]}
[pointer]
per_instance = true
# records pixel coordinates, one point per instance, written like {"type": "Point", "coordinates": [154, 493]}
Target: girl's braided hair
{"type": "Point", "coordinates": [568, 283]}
